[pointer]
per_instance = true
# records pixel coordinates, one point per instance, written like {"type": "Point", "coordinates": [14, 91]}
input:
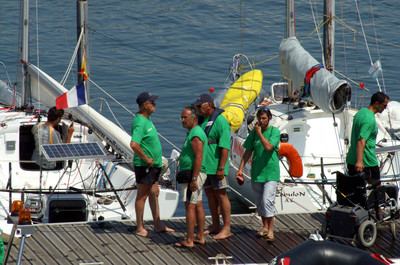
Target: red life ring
{"type": "Point", "coordinates": [295, 164]}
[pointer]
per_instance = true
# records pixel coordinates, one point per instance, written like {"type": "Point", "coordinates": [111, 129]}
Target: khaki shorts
{"type": "Point", "coordinates": [194, 197]}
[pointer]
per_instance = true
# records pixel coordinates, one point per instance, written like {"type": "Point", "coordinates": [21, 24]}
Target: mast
{"type": "Point", "coordinates": [25, 51]}
{"type": "Point", "coordinates": [290, 32]}
{"type": "Point", "coordinates": [329, 34]}
{"type": "Point", "coordinates": [83, 67]}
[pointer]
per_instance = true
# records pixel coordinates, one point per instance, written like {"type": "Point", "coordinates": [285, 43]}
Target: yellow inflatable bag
{"type": "Point", "coordinates": [239, 96]}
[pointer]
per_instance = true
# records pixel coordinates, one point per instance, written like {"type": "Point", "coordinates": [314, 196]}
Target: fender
{"type": "Point", "coordinates": [326, 252]}
{"type": "Point", "coordinates": [295, 164]}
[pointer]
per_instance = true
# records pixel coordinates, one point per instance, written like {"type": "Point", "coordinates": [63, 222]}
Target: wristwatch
{"type": "Point", "coordinates": [194, 179]}
{"type": "Point", "coordinates": [220, 168]}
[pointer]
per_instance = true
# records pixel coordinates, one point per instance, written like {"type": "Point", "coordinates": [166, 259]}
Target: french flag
{"type": "Point", "coordinates": [73, 98]}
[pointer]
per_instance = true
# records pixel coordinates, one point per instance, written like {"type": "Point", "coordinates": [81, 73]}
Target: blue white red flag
{"type": "Point", "coordinates": [73, 98]}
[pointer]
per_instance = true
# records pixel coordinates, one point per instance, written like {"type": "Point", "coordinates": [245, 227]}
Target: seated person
{"type": "Point", "coordinates": [45, 133]}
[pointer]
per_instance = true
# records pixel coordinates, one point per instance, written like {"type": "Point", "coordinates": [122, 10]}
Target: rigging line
{"type": "Point", "coordinates": [349, 79]}
{"type": "Point", "coordinates": [300, 41]}
{"type": "Point", "coordinates": [105, 92]}
{"type": "Point", "coordinates": [339, 143]}
{"type": "Point", "coordinates": [71, 62]}
{"type": "Point", "coordinates": [317, 29]}
{"type": "Point", "coordinates": [242, 24]}
{"type": "Point", "coordinates": [173, 145]}
{"type": "Point", "coordinates": [109, 108]}
{"type": "Point", "coordinates": [37, 51]}
{"type": "Point", "coordinates": [273, 57]}
{"type": "Point", "coordinates": [366, 42]}
{"type": "Point", "coordinates": [357, 32]}
{"type": "Point", "coordinates": [377, 45]}
{"type": "Point", "coordinates": [155, 55]}
{"type": "Point", "coordinates": [344, 45]}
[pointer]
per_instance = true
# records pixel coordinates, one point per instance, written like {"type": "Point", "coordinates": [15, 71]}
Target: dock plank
{"type": "Point", "coordinates": [116, 242]}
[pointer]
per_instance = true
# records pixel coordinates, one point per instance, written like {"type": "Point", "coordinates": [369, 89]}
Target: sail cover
{"type": "Point", "coordinates": [326, 91]}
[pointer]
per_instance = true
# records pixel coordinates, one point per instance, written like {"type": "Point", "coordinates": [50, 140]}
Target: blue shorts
{"type": "Point", "coordinates": [265, 197]}
{"type": "Point", "coordinates": [213, 182]}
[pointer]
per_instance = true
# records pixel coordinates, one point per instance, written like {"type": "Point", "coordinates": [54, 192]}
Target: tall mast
{"type": "Point", "coordinates": [290, 32]}
{"type": "Point", "coordinates": [329, 34]}
{"type": "Point", "coordinates": [25, 51]}
{"type": "Point", "coordinates": [82, 18]}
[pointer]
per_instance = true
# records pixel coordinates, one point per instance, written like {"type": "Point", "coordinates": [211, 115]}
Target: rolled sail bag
{"type": "Point", "coordinates": [184, 176]}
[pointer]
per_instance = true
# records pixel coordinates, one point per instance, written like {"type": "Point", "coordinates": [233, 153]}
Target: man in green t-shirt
{"type": "Point", "coordinates": [263, 144]}
{"type": "Point", "coordinates": [147, 162]}
{"type": "Point", "coordinates": [361, 156]}
{"type": "Point", "coordinates": [191, 162]}
{"type": "Point", "coordinates": [218, 134]}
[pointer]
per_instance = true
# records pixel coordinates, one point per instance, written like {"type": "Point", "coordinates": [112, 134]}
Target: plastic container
{"type": "Point", "coordinates": [240, 179]}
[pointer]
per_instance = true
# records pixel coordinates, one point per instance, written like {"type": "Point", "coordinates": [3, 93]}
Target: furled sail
{"type": "Point", "coordinates": [45, 89]}
{"type": "Point", "coordinates": [326, 91]}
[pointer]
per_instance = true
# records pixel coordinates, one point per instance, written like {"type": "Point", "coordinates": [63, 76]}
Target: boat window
{"type": "Point", "coordinates": [278, 91]}
{"type": "Point", "coordinates": [26, 147]}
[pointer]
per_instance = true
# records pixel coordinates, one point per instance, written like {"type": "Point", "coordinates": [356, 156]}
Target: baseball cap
{"type": "Point", "coordinates": [203, 98]}
{"type": "Point", "coordinates": [145, 96]}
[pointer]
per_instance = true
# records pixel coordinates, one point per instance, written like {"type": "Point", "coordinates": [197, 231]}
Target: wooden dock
{"type": "Point", "coordinates": [116, 242]}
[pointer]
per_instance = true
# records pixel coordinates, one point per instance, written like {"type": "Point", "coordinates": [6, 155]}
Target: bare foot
{"type": "Point", "coordinates": [212, 230]}
{"type": "Point", "coordinates": [164, 228]}
{"type": "Point", "coordinates": [223, 235]}
{"type": "Point", "coordinates": [144, 233]}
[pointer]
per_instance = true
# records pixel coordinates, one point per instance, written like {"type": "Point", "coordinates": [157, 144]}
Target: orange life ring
{"type": "Point", "coordinates": [295, 164]}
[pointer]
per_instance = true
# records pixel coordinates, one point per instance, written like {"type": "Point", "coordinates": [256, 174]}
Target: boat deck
{"type": "Point", "coordinates": [116, 242]}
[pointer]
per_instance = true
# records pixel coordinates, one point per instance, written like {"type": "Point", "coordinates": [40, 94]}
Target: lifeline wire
{"type": "Point", "coordinates": [366, 42]}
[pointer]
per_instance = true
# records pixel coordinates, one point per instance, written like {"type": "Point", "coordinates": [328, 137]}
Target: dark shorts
{"type": "Point", "coordinates": [147, 175]}
{"type": "Point", "coordinates": [370, 172]}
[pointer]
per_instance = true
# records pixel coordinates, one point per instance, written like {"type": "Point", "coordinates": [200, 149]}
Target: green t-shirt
{"type": "Point", "coordinates": [265, 164]}
{"type": "Point", "coordinates": [186, 159]}
{"type": "Point", "coordinates": [145, 134]}
{"type": "Point", "coordinates": [220, 133]}
{"type": "Point", "coordinates": [364, 127]}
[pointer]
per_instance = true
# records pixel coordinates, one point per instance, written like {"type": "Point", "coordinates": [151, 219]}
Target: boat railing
{"type": "Point", "coordinates": [5, 70]}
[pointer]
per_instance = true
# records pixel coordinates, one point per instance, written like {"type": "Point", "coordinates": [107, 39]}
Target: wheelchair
{"type": "Point", "coordinates": [359, 209]}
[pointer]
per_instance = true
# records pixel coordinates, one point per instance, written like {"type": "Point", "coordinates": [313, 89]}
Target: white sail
{"type": "Point", "coordinates": [327, 91]}
{"type": "Point", "coordinates": [45, 89]}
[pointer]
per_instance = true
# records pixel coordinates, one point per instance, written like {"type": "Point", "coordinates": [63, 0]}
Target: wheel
{"type": "Point", "coordinates": [393, 229]}
{"type": "Point", "coordinates": [367, 233]}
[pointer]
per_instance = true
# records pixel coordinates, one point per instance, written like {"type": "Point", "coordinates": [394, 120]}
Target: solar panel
{"type": "Point", "coordinates": [56, 152]}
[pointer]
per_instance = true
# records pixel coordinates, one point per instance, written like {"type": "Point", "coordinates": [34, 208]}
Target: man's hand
{"type": "Point", "coordinates": [359, 166]}
{"type": "Point", "coordinates": [220, 174]}
{"type": "Point", "coordinates": [150, 161]}
{"type": "Point", "coordinates": [193, 185]}
{"type": "Point", "coordinates": [71, 128]}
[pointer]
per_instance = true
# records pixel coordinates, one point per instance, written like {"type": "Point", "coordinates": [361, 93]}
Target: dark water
{"type": "Point", "coordinates": [180, 49]}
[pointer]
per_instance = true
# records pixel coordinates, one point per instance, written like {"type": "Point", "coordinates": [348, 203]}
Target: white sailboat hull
{"type": "Point", "coordinates": [319, 140]}
{"type": "Point", "coordinates": [78, 190]}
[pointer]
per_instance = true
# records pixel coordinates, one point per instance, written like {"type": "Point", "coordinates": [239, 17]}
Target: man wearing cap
{"type": "Point", "coordinates": [218, 134]}
{"type": "Point", "coordinates": [147, 162]}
